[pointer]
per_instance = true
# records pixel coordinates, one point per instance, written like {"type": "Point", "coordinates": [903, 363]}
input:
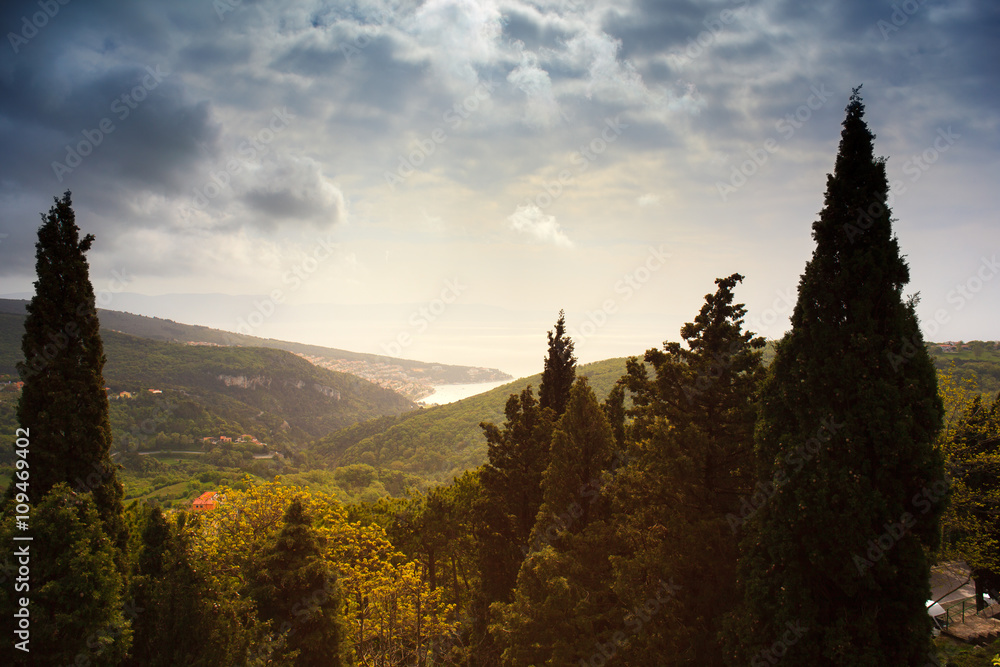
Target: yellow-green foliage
{"type": "Point", "coordinates": [969, 444]}
{"type": "Point", "coordinates": [389, 609]}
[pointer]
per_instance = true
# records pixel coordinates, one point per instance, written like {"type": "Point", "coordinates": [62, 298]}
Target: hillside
{"type": "Point", "coordinates": [975, 360]}
{"type": "Point", "coordinates": [413, 379]}
{"type": "Point", "coordinates": [443, 441]}
{"type": "Point", "coordinates": [210, 391]}
{"type": "Point", "coordinates": [440, 442]}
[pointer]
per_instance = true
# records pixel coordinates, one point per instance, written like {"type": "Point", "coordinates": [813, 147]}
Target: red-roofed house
{"type": "Point", "coordinates": [205, 501]}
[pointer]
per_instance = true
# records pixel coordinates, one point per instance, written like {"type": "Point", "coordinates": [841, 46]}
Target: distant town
{"type": "Point", "coordinates": [407, 382]}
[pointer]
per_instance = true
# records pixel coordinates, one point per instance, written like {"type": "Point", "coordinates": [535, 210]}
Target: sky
{"type": "Point", "coordinates": [436, 180]}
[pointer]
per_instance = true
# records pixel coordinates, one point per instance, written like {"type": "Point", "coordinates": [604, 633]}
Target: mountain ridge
{"type": "Point", "coordinates": [411, 378]}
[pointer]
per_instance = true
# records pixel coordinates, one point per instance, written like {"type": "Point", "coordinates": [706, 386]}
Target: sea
{"type": "Point", "coordinates": [449, 393]}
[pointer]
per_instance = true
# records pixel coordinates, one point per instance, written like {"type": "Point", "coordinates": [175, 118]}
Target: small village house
{"type": "Point", "coordinates": [206, 501]}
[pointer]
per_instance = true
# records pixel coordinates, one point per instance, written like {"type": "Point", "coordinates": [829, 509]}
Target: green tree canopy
{"type": "Point", "coordinates": [171, 596]}
{"type": "Point", "coordinates": [690, 469]}
{"type": "Point", "coordinates": [63, 404]}
{"type": "Point", "coordinates": [296, 590]}
{"type": "Point", "coordinates": [560, 369]}
{"type": "Point", "coordinates": [75, 589]}
{"type": "Point", "coordinates": [563, 606]}
{"type": "Point", "coordinates": [849, 415]}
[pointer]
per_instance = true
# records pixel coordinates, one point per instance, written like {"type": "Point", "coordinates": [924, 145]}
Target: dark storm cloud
{"type": "Point", "coordinates": [650, 27]}
{"type": "Point", "coordinates": [366, 83]}
{"type": "Point", "coordinates": [534, 31]}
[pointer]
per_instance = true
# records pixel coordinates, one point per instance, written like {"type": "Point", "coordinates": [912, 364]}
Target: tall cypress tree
{"type": "Point", "coordinates": [511, 493]}
{"type": "Point", "coordinates": [63, 404]}
{"type": "Point", "coordinates": [691, 465]}
{"type": "Point", "coordinates": [563, 609]}
{"type": "Point", "coordinates": [836, 569]}
{"type": "Point", "coordinates": [296, 590]}
{"type": "Point", "coordinates": [170, 596]}
{"type": "Point", "coordinates": [560, 369]}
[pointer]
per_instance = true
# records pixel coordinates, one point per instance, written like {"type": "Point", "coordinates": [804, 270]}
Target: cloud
{"type": "Point", "coordinates": [532, 221]}
{"type": "Point", "coordinates": [294, 188]}
{"type": "Point", "coordinates": [457, 36]}
{"type": "Point", "coordinates": [541, 108]}
{"type": "Point", "coordinates": [648, 199]}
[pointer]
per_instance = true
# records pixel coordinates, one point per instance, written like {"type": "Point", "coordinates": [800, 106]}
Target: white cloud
{"type": "Point", "coordinates": [648, 199]}
{"type": "Point", "coordinates": [532, 221]}
{"type": "Point", "coordinates": [458, 35]}
{"type": "Point", "coordinates": [541, 109]}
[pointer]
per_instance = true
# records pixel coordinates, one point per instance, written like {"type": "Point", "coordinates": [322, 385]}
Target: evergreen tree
{"type": "Point", "coordinates": [690, 467]}
{"type": "Point", "coordinates": [560, 369]}
{"type": "Point", "coordinates": [170, 597]}
{"type": "Point", "coordinates": [77, 615]}
{"type": "Point", "coordinates": [836, 567]}
{"type": "Point", "coordinates": [511, 493]}
{"type": "Point", "coordinates": [63, 403]}
{"type": "Point", "coordinates": [563, 609]}
{"type": "Point", "coordinates": [297, 591]}
{"type": "Point", "coordinates": [511, 483]}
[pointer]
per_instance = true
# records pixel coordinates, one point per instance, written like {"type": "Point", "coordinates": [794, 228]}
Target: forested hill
{"type": "Point", "coordinates": [271, 394]}
{"type": "Point", "coordinates": [443, 441]}
{"type": "Point", "coordinates": [381, 369]}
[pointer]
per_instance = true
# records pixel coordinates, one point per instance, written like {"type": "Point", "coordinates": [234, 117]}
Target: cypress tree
{"type": "Point", "coordinates": [296, 590]}
{"type": "Point", "coordinates": [63, 404]}
{"type": "Point", "coordinates": [171, 596]}
{"type": "Point", "coordinates": [511, 493]}
{"type": "Point", "coordinates": [691, 464]}
{"type": "Point", "coordinates": [835, 566]}
{"type": "Point", "coordinates": [560, 369]}
{"type": "Point", "coordinates": [77, 615]}
{"type": "Point", "coordinates": [563, 609]}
